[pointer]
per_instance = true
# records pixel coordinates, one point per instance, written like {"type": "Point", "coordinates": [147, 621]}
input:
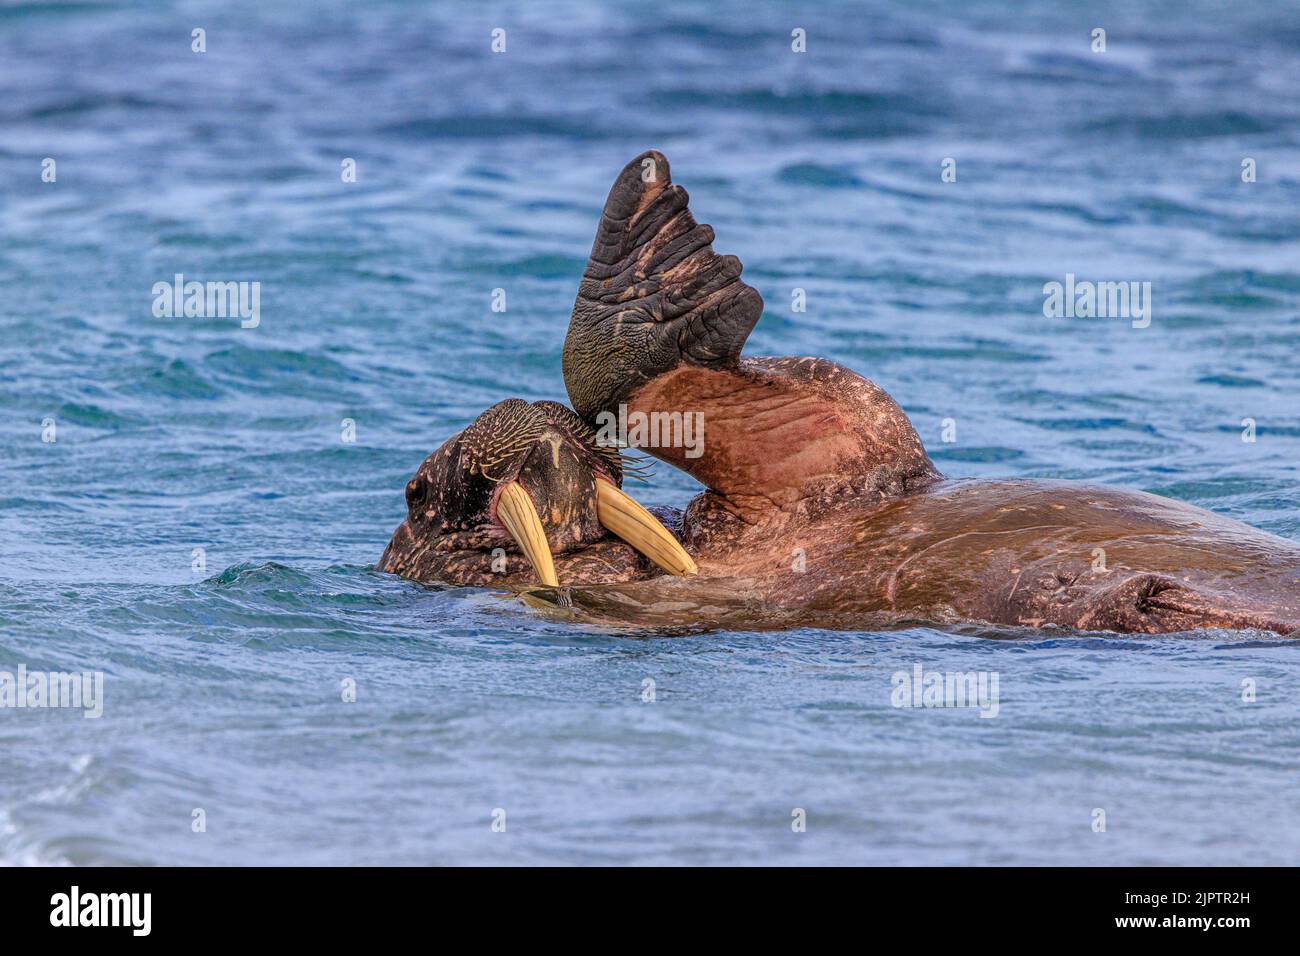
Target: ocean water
{"type": "Point", "coordinates": [201, 534]}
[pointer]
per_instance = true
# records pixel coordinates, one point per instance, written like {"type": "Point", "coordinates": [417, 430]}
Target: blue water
{"type": "Point", "coordinates": [479, 171]}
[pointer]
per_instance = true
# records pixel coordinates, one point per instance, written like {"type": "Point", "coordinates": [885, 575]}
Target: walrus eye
{"type": "Point", "coordinates": [416, 491]}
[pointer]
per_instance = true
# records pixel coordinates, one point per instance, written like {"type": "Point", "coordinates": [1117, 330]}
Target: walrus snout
{"type": "Point", "coordinates": [526, 477]}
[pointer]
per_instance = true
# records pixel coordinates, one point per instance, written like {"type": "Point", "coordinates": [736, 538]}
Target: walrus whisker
{"type": "Point", "coordinates": [637, 467]}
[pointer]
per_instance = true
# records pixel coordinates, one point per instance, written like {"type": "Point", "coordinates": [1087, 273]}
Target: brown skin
{"type": "Point", "coordinates": [1020, 552]}
{"type": "Point", "coordinates": [1027, 553]}
{"type": "Point", "coordinates": [822, 507]}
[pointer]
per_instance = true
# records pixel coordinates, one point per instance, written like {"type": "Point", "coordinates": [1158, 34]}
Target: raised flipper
{"type": "Point", "coordinates": [658, 328]}
{"type": "Point", "coordinates": [654, 295]}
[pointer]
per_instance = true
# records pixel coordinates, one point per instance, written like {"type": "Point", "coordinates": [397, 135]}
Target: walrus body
{"type": "Point", "coordinates": [1028, 553]}
{"type": "Point", "coordinates": [822, 507]}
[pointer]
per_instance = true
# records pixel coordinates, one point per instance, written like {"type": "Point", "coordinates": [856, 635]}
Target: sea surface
{"type": "Point", "coordinates": [200, 532]}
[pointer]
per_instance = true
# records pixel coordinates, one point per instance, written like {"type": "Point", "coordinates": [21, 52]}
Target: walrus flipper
{"type": "Point", "coordinates": [654, 295]}
{"type": "Point", "coordinates": [657, 332]}
{"type": "Point", "coordinates": [1146, 603]}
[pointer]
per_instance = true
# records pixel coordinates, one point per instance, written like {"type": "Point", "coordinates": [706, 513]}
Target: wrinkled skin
{"type": "Point", "coordinates": [822, 506]}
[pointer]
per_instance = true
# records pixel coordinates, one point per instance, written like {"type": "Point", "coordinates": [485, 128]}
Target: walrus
{"type": "Point", "coordinates": [821, 506]}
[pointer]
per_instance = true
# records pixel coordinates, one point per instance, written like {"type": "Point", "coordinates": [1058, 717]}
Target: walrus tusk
{"type": "Point", "coordinates": [622, 515]}
{"type": "Point", "coordinates": [515, 510]}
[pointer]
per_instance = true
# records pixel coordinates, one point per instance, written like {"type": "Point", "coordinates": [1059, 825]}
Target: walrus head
{"type": "Point", "coordinates": [532, 479]}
